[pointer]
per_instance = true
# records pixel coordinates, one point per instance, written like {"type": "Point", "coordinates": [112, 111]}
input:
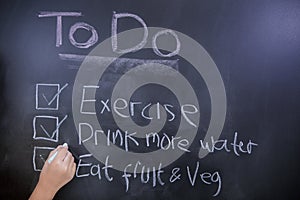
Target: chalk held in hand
{"type": "Point", "coordinates": [65, 145]}
{"type": "Point", "coordinates": [54, 155]}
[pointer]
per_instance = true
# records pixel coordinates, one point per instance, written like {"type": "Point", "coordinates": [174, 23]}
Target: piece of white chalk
{"type": "Point", "coordinates": [54, 155]}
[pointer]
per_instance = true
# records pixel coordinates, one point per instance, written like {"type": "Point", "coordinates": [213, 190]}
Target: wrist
{"type": "Point", "coordinates": [47, 191]}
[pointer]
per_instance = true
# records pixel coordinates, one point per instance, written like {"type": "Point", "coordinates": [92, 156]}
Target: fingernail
{"type": "Point", "coordinates": [65, 145]}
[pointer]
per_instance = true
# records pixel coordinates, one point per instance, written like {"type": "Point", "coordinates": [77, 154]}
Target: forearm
{"type": "Point", "coordinates": [42, 192]}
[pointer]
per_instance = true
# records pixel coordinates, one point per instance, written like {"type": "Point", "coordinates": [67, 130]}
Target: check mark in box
{"type": "Point", "coordinates": [47, 96]}
{"type": "Point", "coordinates": [40, 155]}
{"type": "Point", "coordinates": [47, 127]}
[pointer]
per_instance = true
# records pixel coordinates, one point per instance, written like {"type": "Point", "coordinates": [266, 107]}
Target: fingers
{"type": "Point", "coordinates": [54, 150]}
{"type": "Point", "coordinates": [61, 154]}
{"type": "Point", "coordinates": [70, 165]}
{"type": "Point", "coordinates": [58, 153]}
{"type": "Point", "coordinates": [68, 158]}
{"type": "Point", "coordinates": [69, 161]}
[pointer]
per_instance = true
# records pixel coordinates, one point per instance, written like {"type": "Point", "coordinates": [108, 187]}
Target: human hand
{"type": "Point", "coordinates": [55, 174]}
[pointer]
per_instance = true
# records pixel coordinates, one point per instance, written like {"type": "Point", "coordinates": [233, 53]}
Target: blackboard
{"type": "Point", "coordinates": [241, 112]}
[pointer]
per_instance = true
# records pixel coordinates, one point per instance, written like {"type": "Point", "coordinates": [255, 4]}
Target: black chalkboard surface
{"type": "Point", "coordinates": [157, 100]}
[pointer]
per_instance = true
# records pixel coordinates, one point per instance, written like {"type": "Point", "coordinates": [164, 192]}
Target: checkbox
{"type": "Point", "coordinates": [47, 96]}
{"type": "Point", "coordinates": [40, 155]}
{"type": "Point", "coordinates": [47, 127]}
